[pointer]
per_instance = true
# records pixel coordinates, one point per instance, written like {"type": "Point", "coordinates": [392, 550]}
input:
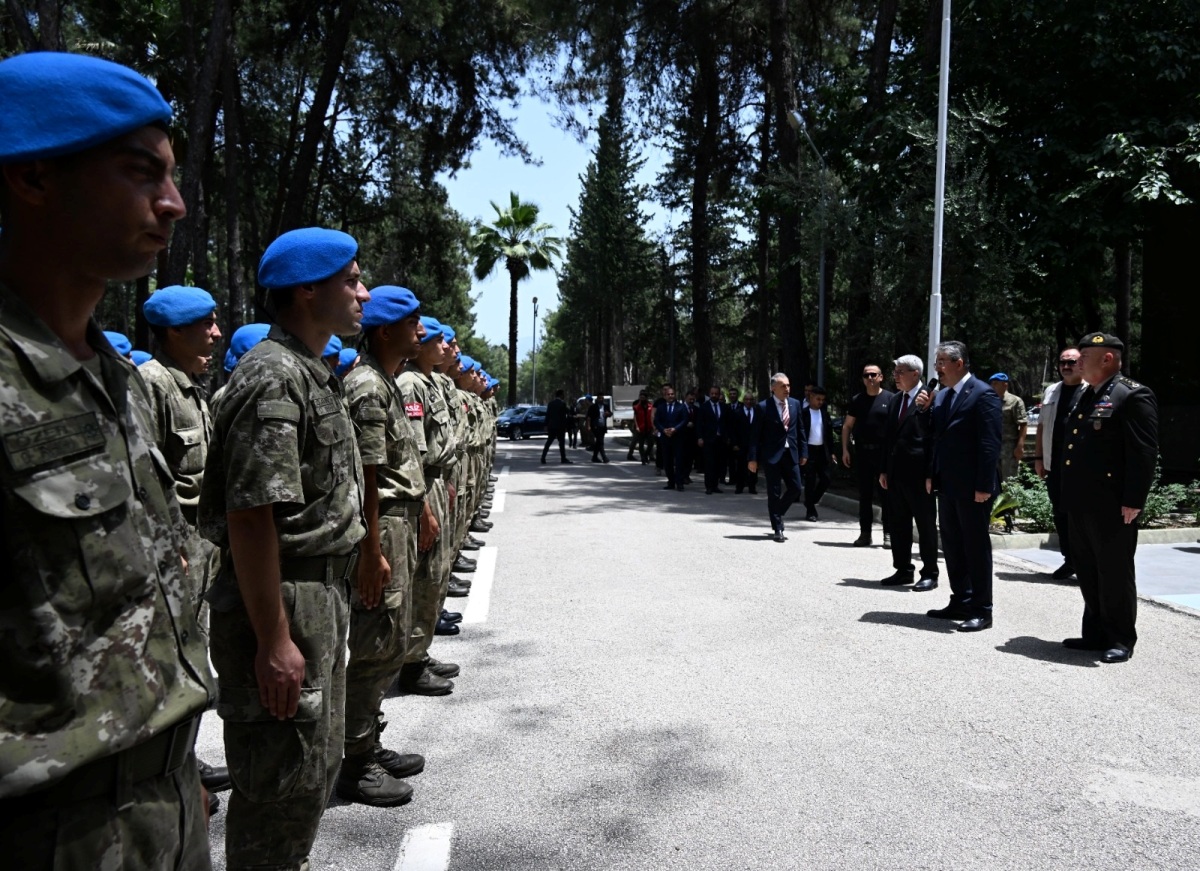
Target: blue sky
{"type": "Point", "coordinates": [555, 188]}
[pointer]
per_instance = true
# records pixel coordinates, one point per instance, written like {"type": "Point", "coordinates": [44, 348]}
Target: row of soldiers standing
{"type": "Point", "coordinates": [325, 515]}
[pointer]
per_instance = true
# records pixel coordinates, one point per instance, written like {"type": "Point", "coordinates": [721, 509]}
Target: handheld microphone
{"type": "Point", "coordinates": [931, 386]}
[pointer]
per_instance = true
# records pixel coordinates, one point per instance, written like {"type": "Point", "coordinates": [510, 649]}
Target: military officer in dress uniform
{"type": "Point", "coordinates": [394, 504]}
{"type": "Point", "coordinates": [282, 497]}
{"type": "Point", "coordinates": [1110, 444]}
{"type": "Point", "coordinates": [104, 670]}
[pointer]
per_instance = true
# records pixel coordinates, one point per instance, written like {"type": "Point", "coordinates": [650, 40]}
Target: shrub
{"type": "Point", "coordinates": [1032, 501]}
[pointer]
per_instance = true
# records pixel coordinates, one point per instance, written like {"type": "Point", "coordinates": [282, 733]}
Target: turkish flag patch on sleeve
{"type": "Point", "coordinates": [414, 410]}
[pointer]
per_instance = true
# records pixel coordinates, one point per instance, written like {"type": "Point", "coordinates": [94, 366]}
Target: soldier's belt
{"type": "Point", "coordinates": [114, 776]}
{"type": "Point", "coordinates": [326, 569]}
{"type": "Point", "coordinates": [396, 508]}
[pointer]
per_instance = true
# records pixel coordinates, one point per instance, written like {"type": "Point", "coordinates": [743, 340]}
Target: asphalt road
{"type": "Point", "coordinates": [650, 683]}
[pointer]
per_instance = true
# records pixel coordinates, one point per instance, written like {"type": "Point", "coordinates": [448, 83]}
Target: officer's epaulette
{"type": "Point", "coordinates": [1128, 382]}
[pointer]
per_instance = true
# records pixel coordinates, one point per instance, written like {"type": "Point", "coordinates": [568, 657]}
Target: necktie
{"type": "Point", "coordinates": [670, 408]}
{"type": "Point", "coordinates": [904, 408]}
{"type": "Point", "coordinates": [784, 415]}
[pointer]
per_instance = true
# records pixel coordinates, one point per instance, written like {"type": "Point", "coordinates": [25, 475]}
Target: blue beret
{"type": "Point", "coordinates": [244, 338]}
{"type": "Point", "coordinates": [346, 358]}
{"type": "Point", "coordinates": [119, 341]}
{"type": "Point", "coordinates": [388, 305]}
{"type": "Point", "coordinates": [468, 363]}
{"type": "Point", "coordinates": [449, 332]}
{"type": "Point", "coordinates": [304, 257]}
{"type": "Point", "coordinates": [177, 306]}
{"type": "Point", "coordinates": [999, 376]}
{"type": "Point", "coordinates": [140, 357]}
{"type": "Point", "coordinates": [493, 383]}
{"type": "Point", "coordinates": [333, 347]}
{"type": "Point", "coordinates": [56, 103]}
{"type": "Point", "coordinates": [433, 329]}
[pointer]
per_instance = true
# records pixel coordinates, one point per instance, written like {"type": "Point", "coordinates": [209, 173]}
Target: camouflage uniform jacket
{"type": "Point", "coordinates": [424, 401]}
{"type": "Point", "coordinates": [182, 427]}
{"type": "Point", "coordinates": [282, 436]}
{"type": "Point", "coordinates": [385, 435]}
{"type": "Point", "coordinates": [99, 644]}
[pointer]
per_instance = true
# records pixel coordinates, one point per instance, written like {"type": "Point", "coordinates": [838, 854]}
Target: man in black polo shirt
{"type": "Point", "coordinates": [865, 420]}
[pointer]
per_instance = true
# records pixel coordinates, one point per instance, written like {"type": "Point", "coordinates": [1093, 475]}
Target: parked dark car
{"type": "Point", "coordinates": [523, 423]}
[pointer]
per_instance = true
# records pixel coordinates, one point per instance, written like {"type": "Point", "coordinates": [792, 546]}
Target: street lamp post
{"type": "Point", "coordinates": [797, 124]}
{"type": "Point", "coordinates": [535, 332]}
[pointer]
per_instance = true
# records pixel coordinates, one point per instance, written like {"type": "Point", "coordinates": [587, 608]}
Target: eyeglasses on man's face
{"type": "Point", "coordinates": [872, 375]}
{"type": "Point", "coordinates": [1068, 362]}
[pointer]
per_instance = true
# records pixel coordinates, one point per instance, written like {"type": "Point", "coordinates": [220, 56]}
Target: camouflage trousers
{"type": "Point", "coordinates": [431, 578]}
{"type": "Point", "coordinates": [379, 636]}
{"type": "Point", "coordinates": [283, 771]}
{"type": "Point", "coordinates": [164, 829]}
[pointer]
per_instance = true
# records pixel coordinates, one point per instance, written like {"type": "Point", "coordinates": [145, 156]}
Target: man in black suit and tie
{"type": "Point", "coordinates": [818, 435]}
{"type": "Point", "coordinates": [670, 422]}
{"type": "Point", "coordinates": [776, 438]}
{"type": "Point", "coordinates": [711, 433]}
{"type": "Point", "coordinates": [963, 471]}
{"type": "Point", "coordinates": [907, 449]}
{"type": "Point", "coordinates": [743, 416]}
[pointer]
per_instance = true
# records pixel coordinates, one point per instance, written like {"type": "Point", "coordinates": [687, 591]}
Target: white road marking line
{"type": "Point", "coordinates": [498, 501]}
{"type": "Point", "coordinates": [503, 471]}
{"type": "Point", "coordinates": [507, 455]}
{"type": "Point", "coordinates": [426, 848]}
{"type": "Point", "coordinates": [476, 608]}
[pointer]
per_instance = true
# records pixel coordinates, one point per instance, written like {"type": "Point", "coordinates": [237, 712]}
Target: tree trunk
{"type": "Point", "coordinates": [512, 332]}
{"type": "Point", "coordinates": [706, 120]}
{"type": "Point", "coordinates": [189, 235]}
{"type": "Point", "coordinates": [235, 311]}
{"type": "Point", "coordinates": [1123, 253]}
{"type": "Point", "coordinates": [314, 124]}
{"type": "Point", "coordinates": [761, 302]}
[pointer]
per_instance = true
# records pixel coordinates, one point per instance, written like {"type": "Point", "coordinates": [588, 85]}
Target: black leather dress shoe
{"type": "Point", "coordinates": [566, 462]}
{"type": "Point", "coordinates": [1116, 654]}
{"type": "Point", "coordinates": [475, 541]}
{"type": "Point", "coordinates": [1083, 644]}
{"type": "Point", "coordinates": [470, 545]}
{"type": "Point", "coordinates": [899, 579]}
{"type": "Point", "coordinates": [811, 516]}
{"type": "Point", "coordinates": [443, 669]}
{"type": "Point", "coordinates": [451, 616]}
{"type": "Point", "coordinates": [214, 777]}
{"type": "Point", "coordinates": [924, 585]}
{"type": "Point", "coordinates": [480, 526]}
{"type": "Point", "coordinates": [464, 564]}
{"type": "Point", "coordinates": [975, 624]}
{"type": "Point", "coordinates": [949, 613]}
{"type": "Point", "coordinates": [462, 582]}
{"type": "Point", "coordinates": [214, 804]}
{"type": "Point", "coordinates": [1066, 570]}
{"type": "Point", "coordinates": [779, 536]}
{"type": "Point", "coordinates": [483, 514]}
{"type": "Point", "coordinates": [862, 541]}
{"type": "Point", "coordinates": [457, 591]}
{"type": "Point", "coordinates": [444, 628]}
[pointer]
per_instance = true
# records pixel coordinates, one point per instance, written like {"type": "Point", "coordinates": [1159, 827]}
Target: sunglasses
{"type": "Point", "coordinates": [1068, 362]}
{"type": "Point", "coordinates": [872, 375]}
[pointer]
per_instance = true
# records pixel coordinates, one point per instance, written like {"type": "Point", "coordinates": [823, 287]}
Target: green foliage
{"type": "Point", "coordinates": [1026, 492]}
{"type": "Point", "coordinates": [1164, 499]}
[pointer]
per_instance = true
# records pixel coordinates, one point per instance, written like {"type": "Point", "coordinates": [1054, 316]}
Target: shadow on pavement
{"type": "Point", "coordinates": [873, 585]}
{"type": "Point", "coordinates": [764, 536]}
{"type": "Point", "coordinates": [1188, 549]}
{"type": "Point", "coordinates": [1035, 578]}
{"type": "Point", "coordinates": [836, 544]}
{"type": "Point", "coordinates": [1048, 651]}
{"type": "Point", "coordinates": [909, 620]}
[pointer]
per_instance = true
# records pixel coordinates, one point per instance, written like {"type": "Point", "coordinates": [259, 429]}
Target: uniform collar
{"type": "Point", "coordinates": [38, 344]}
{"type": "Point", "coordinates": [184, 380]}
{"type": "Point", "coordinates": [315, 365]}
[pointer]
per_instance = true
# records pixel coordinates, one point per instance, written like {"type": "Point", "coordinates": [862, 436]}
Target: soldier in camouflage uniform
{"type": "Point", "coordinates": [243, 339]}
{"type": "Point", "coordinates": [184, 323]}
{"type": "Point", "coordinates": [282, 497]}
{"type": "Point", "coordinates": [395, 508]}
{"type": "Point", "coordinates": [426, 407]}
{"type": "Point", "coordinates": [104, 670]}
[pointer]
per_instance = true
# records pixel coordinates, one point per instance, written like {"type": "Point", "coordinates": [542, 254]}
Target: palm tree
{"type": "Point", "coordinates": [522, 243]}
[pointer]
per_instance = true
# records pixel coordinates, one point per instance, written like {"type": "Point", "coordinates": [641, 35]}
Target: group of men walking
{"type": "Point", "coordinates": [318, 521]}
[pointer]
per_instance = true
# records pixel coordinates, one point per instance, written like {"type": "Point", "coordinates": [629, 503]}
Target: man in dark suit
{"type": "Point", "coordinates": [963, 472]}
{"type": "Point", "coordinates": [907, 448]}
{"type": "Point", "coordinates": [556, 426]}
{"type": "Point", "coordinates": [598, 416]}
{"type": "Point", "coordinates": [818, 436]}
{"type": "Point", "coordinates": [743, 416]}
{"type": "Point", "coordinates": [1110, 443]}
{"type": "Point", "coordinates": [711, 434]}
{"type": "Point", "coordinates": [670, 422]}
{"type": "Point", "coordinates": [776, 439]}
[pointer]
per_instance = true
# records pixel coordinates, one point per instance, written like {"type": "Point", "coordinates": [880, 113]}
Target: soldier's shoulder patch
{"type": "Point", "coordinates": [1129, 382]}
{"type": "Point", "coordinates": [414, 410]}
{"type": "Point", "coordinates": [274, 409]}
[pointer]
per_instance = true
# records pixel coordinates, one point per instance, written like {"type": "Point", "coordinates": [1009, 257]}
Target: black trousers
{"type": "Point", "coordinates": [909, 503]}
{"type": "Point", "coordinates": [1102, 550]}
{"type": "Point", "coordinates": [598, 444]}
{"type": "Point", "coordinates": [868, 463]}
{"type": "Point", "coordinates": [674, 458]}
{"type": "Point", "coordinates": [713, 464]}
{"type": "Point", "coordinates": [1061, 523]}
{"type": "Point", "coordinates": [555, 436]}
{"type": "Point", "coordinates": [816, 477]}
{"type": "Point", "coordinates": [968, 548]}
{"type": "Point", "coordinates": [643, 442]}
{"type": "Point", "coordinates": [783, 488]}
